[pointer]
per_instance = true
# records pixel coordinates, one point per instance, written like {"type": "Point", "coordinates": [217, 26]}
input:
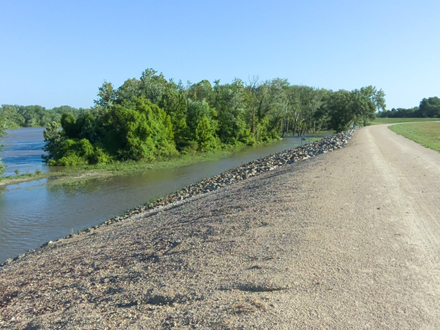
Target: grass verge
{"type": "Point", "coordinates": [380, 121]}
{"type": "Point", "coordinates": [427, 134]}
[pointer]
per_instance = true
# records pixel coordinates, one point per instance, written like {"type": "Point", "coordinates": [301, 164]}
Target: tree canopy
{"type": "Point", "coordinates": [151, 117]}
{"type": "Point", "coordinates": [428, 108]}
{"type": "Point", "coordinates": [15, 116]}
{"type": "Point", "coordinates": [2, 133]}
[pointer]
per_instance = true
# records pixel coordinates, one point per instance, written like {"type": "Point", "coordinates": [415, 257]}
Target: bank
{"type": "Point", "coordinates": [243, 172]}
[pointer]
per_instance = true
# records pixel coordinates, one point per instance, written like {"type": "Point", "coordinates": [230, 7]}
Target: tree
{"type": "Point", "coordinates": [175, 105]}
{"type": "Point", "coordinates": [339, 108]}
{"type": "Point", "coordinates": [205, 135]}
{"type": "Point", "coordinates": [230, 105]}
{"type": "Point", "coordinates": [430, 107]}
{"type": "Point", "coordinates": [53, 138]}
{"type": "Point", "coordinates": [201, 91]}
{"type": "Point", "coordinates": [2, 133]}
{"type": "Point", "coordinates": [139, 131]}
{"type": "Point", "coordinates": [196, 111]}
{"type": "Point", "coordinates": [107, 95]}
{"type": "Point", "coordinates": [346, 108]}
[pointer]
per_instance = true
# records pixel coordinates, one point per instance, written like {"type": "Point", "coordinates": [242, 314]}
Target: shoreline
{"type": "Point", "coordinates": [83, 173]}
{"type": "Point", "coordinates": [243, 172]}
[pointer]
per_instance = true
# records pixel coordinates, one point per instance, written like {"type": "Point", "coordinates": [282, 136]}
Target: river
{"type": "Point", "coordinates": [32, 213]}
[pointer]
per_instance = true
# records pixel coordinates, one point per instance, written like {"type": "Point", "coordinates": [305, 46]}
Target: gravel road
{"type": "Point", "coordinates": [347, 240]}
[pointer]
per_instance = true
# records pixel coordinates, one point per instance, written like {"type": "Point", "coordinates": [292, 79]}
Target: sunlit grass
{"type": "Point", "coordinates": [379, 121]}
{"type": "Point", "coordinates": [427, 134]}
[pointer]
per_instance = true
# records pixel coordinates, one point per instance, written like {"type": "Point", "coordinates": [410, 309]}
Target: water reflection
{"type": "Point", "coordinates": [32, 213]}
{"type": "Point", "coordinates": [23, 150]}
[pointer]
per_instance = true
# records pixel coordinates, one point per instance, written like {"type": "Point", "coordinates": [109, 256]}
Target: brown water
{"type": "Point", "coordinates": [33, 213]}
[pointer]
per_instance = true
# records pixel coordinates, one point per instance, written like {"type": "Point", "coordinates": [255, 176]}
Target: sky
{"type": "Point", "coordinates": [55, 53]}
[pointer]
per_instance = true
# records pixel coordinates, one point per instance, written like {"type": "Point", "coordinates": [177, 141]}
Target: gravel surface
{"type": "Point", "coordinates": [347, 240]}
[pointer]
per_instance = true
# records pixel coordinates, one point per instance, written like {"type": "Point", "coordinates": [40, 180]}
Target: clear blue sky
{"type": "Point", "coordinates": [56, 53]}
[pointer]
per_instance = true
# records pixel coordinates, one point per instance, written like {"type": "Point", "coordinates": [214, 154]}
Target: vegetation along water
{"type": "Point", "coordinates": [150, 121]}
{"type": "Point", "coordinates": [32, 213]}
{"type": "Point", "coordinates": [151, 118]}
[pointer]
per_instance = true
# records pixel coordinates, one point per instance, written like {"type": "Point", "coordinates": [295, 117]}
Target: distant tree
{"type": "Point", "coordinates": [344, 108]}
{"type": "Point", "coordinates": [107, 95]}
{"type": "Point", "coordinates": [201, 91]}
{"type": "Point", "coordinates": [430, 107]}
{"type": "Point", "coordinates": [151, 117]}
{"type": "Point", "coordinates": [53, 138]}
{"type": "Point", "coordinates": [2, 133]}
{"type": "Point", "coordinates": [16, 116]}
{"type": "Point", "coordinates": [339, 108]}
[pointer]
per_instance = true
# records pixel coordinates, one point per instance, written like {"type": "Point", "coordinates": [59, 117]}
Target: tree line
{"type": "Point", "coordinates": [152, 117]}
{"type": "Point", "coordinates": [16, 116]}
{"type": "Point", "coordinates": [428, 108]}
{"type": "Point", "coordinates": [2, 165]}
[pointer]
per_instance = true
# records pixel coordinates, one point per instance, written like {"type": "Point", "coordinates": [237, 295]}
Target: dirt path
{"type": "Point", "coordinates": [347, 240]}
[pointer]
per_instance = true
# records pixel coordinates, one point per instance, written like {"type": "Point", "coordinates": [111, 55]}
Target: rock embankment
{"type": "Point", "coordinates": [231, 176]}
{"type": "Point", "coordinates": [246, 171]}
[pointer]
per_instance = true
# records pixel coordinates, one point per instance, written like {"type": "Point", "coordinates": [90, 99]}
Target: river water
{"type": "Point", "coordinates": [32, 213]}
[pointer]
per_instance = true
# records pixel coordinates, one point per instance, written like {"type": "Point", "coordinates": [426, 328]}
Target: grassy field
{"type": "Point", "coordinates": [379, 121]}
{"type": "Point", "coordinates": [426, 133]}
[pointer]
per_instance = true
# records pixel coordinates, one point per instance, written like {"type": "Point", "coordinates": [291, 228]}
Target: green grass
{"type": "Point", "coordinates": [379, 121]}
{"type": "Point", "coordinates": [427, 134]}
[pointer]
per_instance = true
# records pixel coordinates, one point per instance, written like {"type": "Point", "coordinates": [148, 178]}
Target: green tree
{"type": "Point", "coordinates": [346, 108]}
{"type": "Point", "coordinates": [175, 105]}
{"type": "Point", "coordinates": [53, 138]}
{"type": "Point", "coordinates": [139, 131]}
{"type": "Point", "coordinates": [107, 95]}
{"type": "Point", "coordinates": [430, 107]}
{"type": "Point", "coordinates": [2, 133]}
{"type": "Point", "coordinates": [201, 91]}
{"type": "Point", "coordinates": [205, 135]}
{"type": "Point", "coordinates": [230, 105]}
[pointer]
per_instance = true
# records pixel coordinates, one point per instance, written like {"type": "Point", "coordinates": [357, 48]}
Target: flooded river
{"type": "Point", "coordinates": [33, 213]}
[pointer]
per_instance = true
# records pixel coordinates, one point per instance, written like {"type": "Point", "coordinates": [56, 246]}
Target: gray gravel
{"type": "Point", "coordinates": [347, 240]}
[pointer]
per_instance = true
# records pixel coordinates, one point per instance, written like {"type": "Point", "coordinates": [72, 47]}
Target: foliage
{"type": "Point", "coordinates": [344, 108]}
{"type": "Point", "coordinates": [151, 117]}
{"type": "Point", "coordinates": [205, 135]}
{"type": "Point", "coordinates": [133, 131]}
{"type": "Point", "coordinates": [428, 108]}
{"type": "Point", "coordinates": [142, 131]}
{"type": "Point", "coordinates": [16, 116]}
{"type": "Point", "coordinates": [2, 133]}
